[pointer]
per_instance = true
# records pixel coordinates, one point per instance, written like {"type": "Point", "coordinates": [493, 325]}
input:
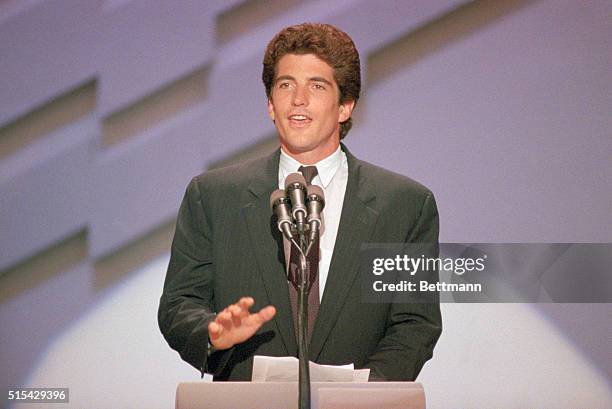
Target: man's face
{"type": "Point", "coordinates": [304, 107]}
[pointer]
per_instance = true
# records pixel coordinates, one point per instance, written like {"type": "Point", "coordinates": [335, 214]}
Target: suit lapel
{"type": "Point", "coordinates": [264, 237]}
{"type": "Point", "coordinates": [356, 227]}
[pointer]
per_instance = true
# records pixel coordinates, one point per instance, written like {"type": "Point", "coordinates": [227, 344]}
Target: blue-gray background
{"type": "Point", "coordinates": [108, 108]}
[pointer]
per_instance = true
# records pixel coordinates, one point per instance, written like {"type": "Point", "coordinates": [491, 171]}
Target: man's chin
{"type": "Point", "coordinates": [296, 151]}
{"type": "Point", "coordinates": [299, 146]}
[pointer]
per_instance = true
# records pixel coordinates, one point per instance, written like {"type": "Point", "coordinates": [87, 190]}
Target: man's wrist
{"type": "Point", "coordinates": [211, 350]}
{"type": "Point", "coordinates": [216, 359]}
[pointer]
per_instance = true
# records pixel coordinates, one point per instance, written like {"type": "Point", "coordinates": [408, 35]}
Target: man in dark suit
{"type": "Point", "coordinates": [228, 255]}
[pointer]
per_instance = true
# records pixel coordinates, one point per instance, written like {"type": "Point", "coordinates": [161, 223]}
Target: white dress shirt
{"type": "Point", "coordinates": [332, 178]}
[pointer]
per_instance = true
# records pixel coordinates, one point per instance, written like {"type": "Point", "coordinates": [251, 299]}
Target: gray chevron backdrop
{"type": "Point", "coordinates": [109, 107]}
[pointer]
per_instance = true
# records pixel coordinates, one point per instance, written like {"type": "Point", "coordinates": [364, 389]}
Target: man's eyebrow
{"type": "Point", "coordinates": [311, 79]}
{"type": "Point", "coordinates": [321, 79]}
{"type": "Point", "coordinates": [284, 77]}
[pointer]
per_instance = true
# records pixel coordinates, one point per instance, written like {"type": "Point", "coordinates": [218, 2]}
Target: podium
{"type": "Point", "coordinates": [284, 395]}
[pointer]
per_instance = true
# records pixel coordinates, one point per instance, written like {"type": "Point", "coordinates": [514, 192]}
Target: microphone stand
{"type": "Point", "coordinates": [294, 224]}
{"type": "Point", "coordinates": [302, 304]}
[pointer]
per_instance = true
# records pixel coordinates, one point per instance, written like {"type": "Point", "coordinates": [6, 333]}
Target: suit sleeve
{"type": "Point", "coordinates": [187, 302]}
{"type": "Point", "coordinates": [412, 328]}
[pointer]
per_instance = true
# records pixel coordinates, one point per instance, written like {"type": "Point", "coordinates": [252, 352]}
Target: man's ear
{"type": "Point", "coordinates": [271, 109]}
{"type": "Point", "coordinates": [346, 110]}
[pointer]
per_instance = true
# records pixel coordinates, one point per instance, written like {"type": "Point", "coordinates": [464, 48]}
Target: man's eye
{"type": "Point", "coordinates": [283, 85]}
{"type": "Point", "coordinates": [318, 86]}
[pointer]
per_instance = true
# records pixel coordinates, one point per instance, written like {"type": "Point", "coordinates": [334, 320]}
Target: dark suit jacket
{"type": "Point", "coordinates": [227, 246]}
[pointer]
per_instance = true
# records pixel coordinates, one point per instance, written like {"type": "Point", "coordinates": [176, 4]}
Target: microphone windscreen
{"type": "Point", "coordinates": [316, 190]}
{"type": "Point", "coordinates": [293, 178]}
{"type": "Point", "coordinates": [277, 194]}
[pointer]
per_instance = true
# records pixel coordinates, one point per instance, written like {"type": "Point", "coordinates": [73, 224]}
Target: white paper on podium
{"type": "Point", "coordinates": [285, 369]}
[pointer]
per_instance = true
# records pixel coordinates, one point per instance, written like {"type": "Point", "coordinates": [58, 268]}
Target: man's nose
{"type": "Point", "coordinates": [300, 96]}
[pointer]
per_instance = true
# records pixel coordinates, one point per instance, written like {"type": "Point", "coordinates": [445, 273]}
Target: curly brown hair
{"type": "Point", "coordinates": [328, 43]}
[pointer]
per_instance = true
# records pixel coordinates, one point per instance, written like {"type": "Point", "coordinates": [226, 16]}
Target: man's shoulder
{"type": "Point", "coordinates": [399, 197]}
{"type": "Point", "coordinates": [232, 176]}
{"type": "Point", "coordinates": [387, 182]}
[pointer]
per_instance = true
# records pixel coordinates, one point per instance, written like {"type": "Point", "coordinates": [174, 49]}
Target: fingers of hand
{"type": "Point", "coordinates": [224, 318]}
{"type": "Point", "coordinates": [237, 314]}
{"type": "Point", "coordinates": [214, 330]}
{"type": "Point", "coordinates": [246, 303]}
{"type": "Point", "coordinates": [264, 315]}
{"type": "Point", "coordinates": [267, 313]}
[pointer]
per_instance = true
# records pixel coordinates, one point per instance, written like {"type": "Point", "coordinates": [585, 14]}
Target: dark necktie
{"type": "Point", "coordinates": [309, 173]}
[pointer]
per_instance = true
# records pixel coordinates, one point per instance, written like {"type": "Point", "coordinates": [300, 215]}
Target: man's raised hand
{"type": "Point", "coordinates": [235, 324]}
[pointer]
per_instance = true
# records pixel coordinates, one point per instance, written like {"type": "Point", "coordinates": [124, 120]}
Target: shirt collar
{"type": "Point", "coordinates": [326, 168]}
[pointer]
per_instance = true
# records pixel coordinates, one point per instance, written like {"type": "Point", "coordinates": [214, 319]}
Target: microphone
{"type": "Point", "coordinates": [281, 207]}
{"type": "Point", "coordinates": [295, 186]}
{"type": "Point", "coordinates": [315, 201]}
